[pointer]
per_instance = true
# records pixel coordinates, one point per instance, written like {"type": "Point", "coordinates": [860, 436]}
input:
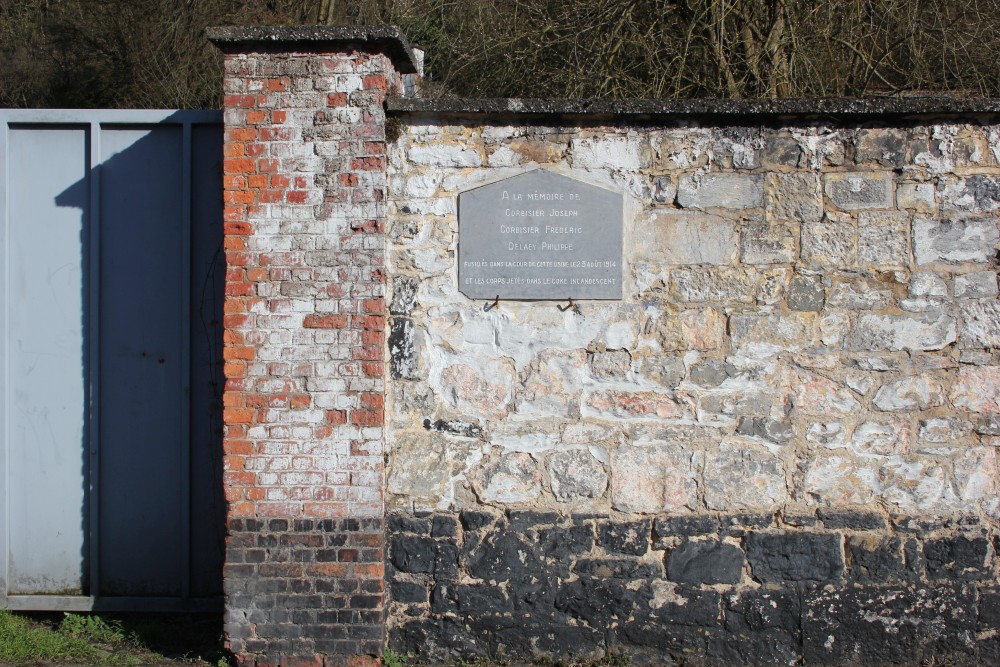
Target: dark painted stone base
{"type": "Point", "coordinates": [845, 588]}
{"type": "Point", "coordinates": [304, 592]}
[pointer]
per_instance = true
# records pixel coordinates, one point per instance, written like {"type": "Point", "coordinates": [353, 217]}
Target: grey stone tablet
{"type": "Point", "coordinates": [540, 235]}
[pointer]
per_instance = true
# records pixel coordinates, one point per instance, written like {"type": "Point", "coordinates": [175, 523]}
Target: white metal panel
{"type": "Point", "coordinates": [45, 361]}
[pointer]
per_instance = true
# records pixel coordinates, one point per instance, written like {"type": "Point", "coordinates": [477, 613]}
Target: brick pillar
{"type": "Point", "coordinates": [305, 212]}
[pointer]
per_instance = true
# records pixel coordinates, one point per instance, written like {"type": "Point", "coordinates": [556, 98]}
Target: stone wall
{"type": "Point", "coordinates": [778, 446]}
{"type": "Point", "coordinates": [781, 442]}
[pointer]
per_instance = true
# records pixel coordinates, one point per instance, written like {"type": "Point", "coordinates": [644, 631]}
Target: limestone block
{"type": "Point", "coordinates": [553, 384]}
{"type": "Point", "coordinates": [510, 478]}
{"type": "Point", "coordinates": [839, 480]}
{"type": "Point", "coordinates": [830, 243]}
{"type": "Point", "coordinates": [814, 394]}
{"type": "Point", "coordinates": [916, 485]}
{"type": "Point", "coordinates": [444, 155]}
{"type": "Point", "coordinates": [701, 285]}
{"type": "Point", "coordinates": [977, 476]}
{"type": "Point", "coordinates": [733, 191]}
{"type": "Point", "coordinates": [576, 475]}
{"type": "Point", "coordinates": [762, 243]}
{"type": "Point", "coordinates": [806, 293]}
{"type": "Point", "coordinates": [853, 191]}
{"type": "Point", "coordinates": [981, 324]}
{"type": "Point", "coordinates": [742, 478]}
{"type": "Point", "coordinates": [885, 146]}
{"type": "Point", "coordinates": [884, 239]}
{"type": "Point", "coordinates": [917, 197]}
{"type": "Point", "coordinates": [485, 390]}
{"type": "Point", "coordinates": [609, 152]}
{"type": "Point", "coordinates": [654, 479]}
{"type": "Point", "coordinates": [976, 285]}
{"type": "Point", "coordinates": [909, 393]}
{"type": "Point", "coordinates": [674, 237]}
{"type": "Point", "coordinates": [977, 194]}
{"type": "Point", "coordinates": [977, 388]}
{"type": "Point", "coordinates": [925, 331]}
{"type": "Point", "coordinates": [793, 197]}
{"type": "Point", "coordinates": [695, 329]}
{"type": "Point", "coordinates": [638, 405]}
{"type": "Point", "coordinates": [858, 294]}
{"type": "Point", "coordinates": [762, 335]}
{"type": "Point", "coordinates": [927, 284]}
{"type": "Point", "coordinates": [943, 430]}
{"type": "Point", "coordinates": [610, 364]}
{"type": "Point", "coordinates": [881, 438]}
{"type": "Point", "coordinates": [418, 468]}
{"type": "Point", "coordinates": [954, 240]}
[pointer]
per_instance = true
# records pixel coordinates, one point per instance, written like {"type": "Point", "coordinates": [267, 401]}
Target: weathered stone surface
{"type": "Point", "coordinates": [954, 240]}
{"type": "Point", "coordinates": [814, 394]}
{"type": "Point", "coordinates": [977, 389]}
{"type": "Point", "coordinates": [648, 480]}
{"type": "Point", "coordinates": [839, 480]}
{"type": "Point", "coordinates": [664, 369]}
{"type": "Point", "coordinates": [976, 285]}
{"type": "Point", "coordinates": [739, 478]}
{"type": "Point", "coordinates": [696, 329]}
{"type": "Point", "coordinates": [874, 559]}
{"type": "Point", "coordinates": [918, 197]}
{"type": "Point", "coordinates": [979, 194]}
{"type": "Point", "coordinates": [705, 562]}
{"type": "Point", "coordinates": [764, 335]}
{"type": "Point", "coordinates": [929, 331]}
{"type": "Point", "coordinates": [766, 429]}
{"type": "Point", "coordinates": [576, 475]}
{"type": "Point", "coordinates": [682, 238]}
{"type": "Point", "coordinates": [806, 293]}
{"type": "Point", "coordinates": [629, 537]}
{"type": "Point", "coordinates": [786, 556]}
{"type": "Point", "coordinates": [444, 155]}
{"type": "Point", "coordinates": [881, 438]}
{"type": "Point", "coordinates": [664, 189]}
{"type": "Point", "coordinates": [884, 146]}
{"type": "Point", "coordinates": [419, 468]}
{"type": "Point", "coordinates": [735, 191]}
{"type": "Point", "coordinates": [610, 364]}
{"type": "Point", "coordinates": [609, 152]}
{"type": "Point", "coordinates": [858, 295]}
{"type": "Point", "coordinates": [939, 431]}
{"type": "Point", "coordinates": [723, 285]}
{"type": "Point", "coordinates": [510, 478]}
{"type": "Point", "coordinates": [486, 390]}
{"type": "Point", "coordinates": [884, 239]}
{"type": "Point", "coordinates": [709, 373]}
{"type": "Point", "coordinates": [958, 558]}
{"type": "Point", "coordinates": [847, 627]}
{"type": "Point", "coordinates": [764, 243]}
{"type": "Point", "coordinates": [685, 526]}
{"type": "Point", "coordinates": [910, 393]}
{"type": "Point", "coordinates": [404, 296]}
{"type": "Point", "coordinates": [793, 197]}
{"type": "Point", "coordinates": [852, 519]}
{"type": "Point", "coordinates": [981, 324]}
{"type": "Point", "coordinates": [553, 384]}
{"type": "Point", "coordinates": [404, 341]}
{"type": "Point", "coordinates": [852, 191]}
{"type": "Point", "coordinates": [638, 405]}
{"type": "Point", "coordinates": [830, 243]}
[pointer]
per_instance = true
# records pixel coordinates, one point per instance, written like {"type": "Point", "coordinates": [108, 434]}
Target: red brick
{"type": "Point", "coordinates": [325, 321]}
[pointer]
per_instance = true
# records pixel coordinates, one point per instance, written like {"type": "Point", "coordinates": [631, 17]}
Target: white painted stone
{"type": "Point", "coordinates": [954, 240]}
{"type": "Point", "coordinates": [918, 197]}
{"type": "Point", "coordinates": [655, 479]}
{"type": "Point", "coordinates": [610, 152]}
{"type": "Point", "coordinates": [733, 191]}
{"type": "Point", "coordinates": [839, 480]}
{"type": "Point", "coordinates": [675, 237]}
{"type": "Point", "coordinates": [738, 477]}
{"type": "Point", "coordinates": [576, 475]}
{"type": "Point", "coordinates": [444, 155]}
{"type": "Point", "coordinates": [881, 438]}
{"type": "Point", "coordinates": [976, 285]}
{"type": "Point", "coordinates": [510, 479]}
{"type": "Point", "coordinates": [909, 393]}
{"type": "Point", "coordinates": [981, 324]}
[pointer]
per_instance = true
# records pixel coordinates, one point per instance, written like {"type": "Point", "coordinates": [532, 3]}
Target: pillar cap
{"type": "Point", "coordinates": [387, 39]}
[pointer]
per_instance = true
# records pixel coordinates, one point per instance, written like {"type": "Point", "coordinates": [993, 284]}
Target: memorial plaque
{"type": "Point", "coordinates": [540, 235]}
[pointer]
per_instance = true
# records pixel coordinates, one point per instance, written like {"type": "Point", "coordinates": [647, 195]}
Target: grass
{"type": "Point", "coordinates": [112, 640]}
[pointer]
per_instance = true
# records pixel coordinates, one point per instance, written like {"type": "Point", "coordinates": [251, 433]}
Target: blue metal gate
{"type": "Point", "coordinates": [111, 286]}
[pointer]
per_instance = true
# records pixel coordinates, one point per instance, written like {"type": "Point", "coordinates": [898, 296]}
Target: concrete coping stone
{"type": "Point", "coordinates": [651, 109]}
{"type": "Point", "coordinates": [387, 39]}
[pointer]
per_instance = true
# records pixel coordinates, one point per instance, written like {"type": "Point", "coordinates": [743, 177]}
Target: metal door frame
{"type": "Point", "coordinates": [94, 120]}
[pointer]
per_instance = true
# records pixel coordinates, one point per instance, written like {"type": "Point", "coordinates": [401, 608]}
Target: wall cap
{"type": "Point", "coordinates": [883, 107]}
{"type": "Point", "coordinates": [388, 39]}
